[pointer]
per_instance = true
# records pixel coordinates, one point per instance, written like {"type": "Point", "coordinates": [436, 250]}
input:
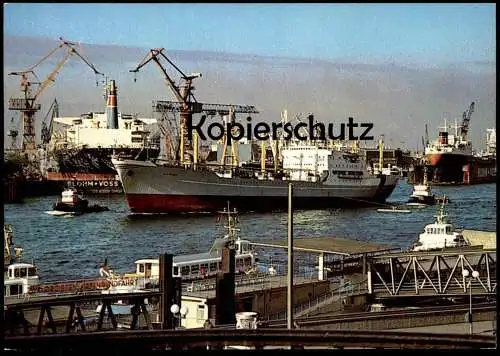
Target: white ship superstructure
{"type": "Point", "coordinates": [450, 143]}
{"type": "Point", "coordinates": [90, 131]}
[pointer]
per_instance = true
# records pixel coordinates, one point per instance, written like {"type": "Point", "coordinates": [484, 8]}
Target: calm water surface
{"type": "Point", "coordinates": [74, 247]}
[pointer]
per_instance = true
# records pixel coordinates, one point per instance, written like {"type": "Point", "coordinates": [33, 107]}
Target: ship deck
{"type": "Point", "coordinates": [331, 245]}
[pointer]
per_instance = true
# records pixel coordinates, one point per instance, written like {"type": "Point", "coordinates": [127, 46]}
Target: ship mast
{"type": "Point", "coordinates": [263, 158]}
{"type": "Point", "coordinates": [232, 230]}
{"type": "Point", "coordinates": [380, 153]}
{"type": "Point", "coordinates": [441, 216]}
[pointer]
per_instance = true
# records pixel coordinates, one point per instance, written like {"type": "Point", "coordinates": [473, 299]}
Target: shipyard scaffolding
{"type": "Point", "coordinates": [27, 104]}
{"type": "Point", "coordinates": [185, 150]}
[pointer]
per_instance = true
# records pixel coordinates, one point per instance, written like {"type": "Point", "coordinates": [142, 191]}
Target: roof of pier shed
{"type": "Point", "coordinates": [332, 245]}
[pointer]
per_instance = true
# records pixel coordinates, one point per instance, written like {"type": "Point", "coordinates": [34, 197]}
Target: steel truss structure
{"type": "Point", "coordinates": [433, 273]}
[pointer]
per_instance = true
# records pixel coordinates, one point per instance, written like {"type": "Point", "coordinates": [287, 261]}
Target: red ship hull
{"type": "Point", "coordinates": [448, 168]}
{"type": "Point", "coordinates": [178, 204]}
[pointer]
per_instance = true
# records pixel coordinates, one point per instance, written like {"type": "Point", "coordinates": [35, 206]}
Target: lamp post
{"type": "Point", "coordinates": [465, 274]}
{"type": "Point", "coordinates": [179, 314]}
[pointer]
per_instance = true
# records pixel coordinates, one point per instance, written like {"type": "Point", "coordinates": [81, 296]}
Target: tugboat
{"type": "Point", "coordinates": [439, 235]}
{"type": "Point", "coordinates": [422, 194]}
{"type": "Point", "coordinates": [73, 202]}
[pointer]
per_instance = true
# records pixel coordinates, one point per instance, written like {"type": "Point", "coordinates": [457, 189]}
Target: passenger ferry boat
{"type": "Point", "coordinates": [439, 235]}
{"type": "Point", "coordinates": [207, 264]}
{"type": "Point", "coordinates": [18, 276]}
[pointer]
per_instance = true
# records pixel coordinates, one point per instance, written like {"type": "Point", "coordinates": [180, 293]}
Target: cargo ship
{"type": "Point", "coordinates": [477, 168]}
{"type": "Point", "coordinates": [450, 152]}
{"type": "Point", "coordinates": [322, 176]}
{"type": "Point", "coordinates": [79, 155]}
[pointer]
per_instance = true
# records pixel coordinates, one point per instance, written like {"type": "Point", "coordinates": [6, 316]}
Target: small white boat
{"type": "Point", "coordinates": [18, 276]}
{"type": "Point", "coordinates": [416, 205]}
{"type": "Point", "coordinates": [440, 234]}
{"type": "Point", "coordinates": [61, 213]}
{"type": "Point", "coordinates": [393, 210]}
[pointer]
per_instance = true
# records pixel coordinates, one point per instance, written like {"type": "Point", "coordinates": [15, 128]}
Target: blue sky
{"type": "Point", "coordinates": [422, 33]}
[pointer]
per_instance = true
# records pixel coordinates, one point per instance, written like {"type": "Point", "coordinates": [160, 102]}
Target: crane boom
{"type": "Point", "coordinates": [464, 129]}
{"type": "Point", "coordinates": [153, 56]}
{"type": "Point", "coordinates": [27, 104]}
{"type": "Point", "coordinates": [52, 76]}
{"type": "Point", "coordinates": [184, 97]}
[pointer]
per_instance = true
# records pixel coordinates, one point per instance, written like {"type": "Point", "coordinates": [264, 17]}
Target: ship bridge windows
{"type": "Point", "coordinates": [448, 230]}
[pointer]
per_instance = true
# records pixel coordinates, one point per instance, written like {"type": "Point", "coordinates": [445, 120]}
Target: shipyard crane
{"type": "Point", "coordinates": [47, 129]}
{"type": "Point", "coordinates": [182, 92]}
{"type": "Point", "coordinates": [426, 137]}
{"type": "Point", "coordinates": [27, 103]}
{"type": "Point", "coordinates": [464, 129]}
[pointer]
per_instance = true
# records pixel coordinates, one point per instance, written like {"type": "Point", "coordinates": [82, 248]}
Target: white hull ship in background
{"type": "Point", "coordinates": [80, 153]}
{"type": "Point", "coordinates": [322, 174]}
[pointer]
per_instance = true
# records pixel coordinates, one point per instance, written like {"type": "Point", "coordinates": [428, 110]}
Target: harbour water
{"type": "Point", "coordinates": [74, 247]}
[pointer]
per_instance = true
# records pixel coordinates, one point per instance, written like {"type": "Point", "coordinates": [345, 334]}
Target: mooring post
{"type": "Point", "coordinates": [364, 265]}
{"type": "Point", "coordinates": [167, 291]}
{"type": "Point", "coordinates": [225, 289]}
{"type": "Point", "coordinates": [290, 260]}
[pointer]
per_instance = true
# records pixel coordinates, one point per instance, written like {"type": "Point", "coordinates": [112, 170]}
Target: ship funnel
{"type": "Point", "coordinates": [111, 107]}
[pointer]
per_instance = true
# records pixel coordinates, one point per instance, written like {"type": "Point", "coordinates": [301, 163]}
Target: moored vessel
{"type": "Point", "coordinates": [440, 234]}
{"type": "Point", "coordinates": [205, 264]}
{"type": "Point", "coordinates": [18, 276]}
{"type": "Point", "coordinates": [80, 153]}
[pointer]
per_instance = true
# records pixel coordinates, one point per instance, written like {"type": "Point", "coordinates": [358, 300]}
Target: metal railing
{"type": "Point", "coordinates": [261, 280]}
{"type": "Point", "coordinates": [349, 288]}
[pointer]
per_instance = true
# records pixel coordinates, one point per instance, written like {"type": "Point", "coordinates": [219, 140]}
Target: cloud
{"type": "Point", "coordinates": [398, 97]}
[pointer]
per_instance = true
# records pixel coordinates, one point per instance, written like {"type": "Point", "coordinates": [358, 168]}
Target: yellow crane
{"type": "Point", "coordinates": [27, 103]}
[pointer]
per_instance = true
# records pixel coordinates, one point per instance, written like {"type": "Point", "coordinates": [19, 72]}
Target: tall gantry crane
{"type": "Point", "coordinates": [27, 103]}
{"type": "Point", "coordinates": [183, 93]}
{"type": "Point", "coordinates": [464, 129]}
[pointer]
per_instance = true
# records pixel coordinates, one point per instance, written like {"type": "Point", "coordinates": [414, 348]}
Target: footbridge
{"type": "Point", "coordinates": [452, 273]}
